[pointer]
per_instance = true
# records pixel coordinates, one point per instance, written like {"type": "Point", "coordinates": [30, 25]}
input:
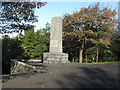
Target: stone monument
{"type": "Point", "coordinates": [55, 54]}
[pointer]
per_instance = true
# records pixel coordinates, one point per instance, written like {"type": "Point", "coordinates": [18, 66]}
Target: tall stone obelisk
{"type": "Point", "coordinates": [56, 35]}
{"type": "Point", "coordinates": [55, 54]}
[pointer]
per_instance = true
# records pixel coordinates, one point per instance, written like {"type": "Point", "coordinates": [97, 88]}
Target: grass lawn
{"type": "Point", "coordinates": [103, 62]}
{"type": "Point", "coordinates": [97, 62]}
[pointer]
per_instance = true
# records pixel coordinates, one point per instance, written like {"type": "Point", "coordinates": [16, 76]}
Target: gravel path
{"type": "Point", "coordinates": [69, 76]}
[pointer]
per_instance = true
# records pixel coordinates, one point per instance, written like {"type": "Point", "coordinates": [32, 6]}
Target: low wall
{"type": "Point", "coordinates": [18, 67]}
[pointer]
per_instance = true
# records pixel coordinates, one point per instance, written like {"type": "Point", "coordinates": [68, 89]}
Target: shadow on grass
{"type": "Point", "coordinates": [86, 77]}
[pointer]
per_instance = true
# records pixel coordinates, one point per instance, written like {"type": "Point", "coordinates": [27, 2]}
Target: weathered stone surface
{"type": "Point", "coordinates": [55, 55]}
{"type": "Point", "coordinates": [18, 67]}
{"type": "Point", "coordinates": [56, 35]}
{"type": "Point", "coordinates": [58, 58]}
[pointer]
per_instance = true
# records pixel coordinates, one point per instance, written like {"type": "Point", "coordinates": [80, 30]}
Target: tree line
{"type": "Point", "coordinates": [90, 35]}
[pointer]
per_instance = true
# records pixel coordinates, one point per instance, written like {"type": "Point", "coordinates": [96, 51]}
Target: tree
{"type": "Point", "coordinates": [115, 46]}
{"type": "Point", "coordinates": [47, 26]}
{"type": "Point", "coordinates": [97, 25]}
{"type": "Point", "coordinates": [73, 43]}
{"type": "Point", "coordinates": [18, 16]}
{"type": "Point", "coordinates": [91, 18]}
{"type": "Point", "coordinates": [10, 50]}
{"type": "Point", "coordinates": [34, 43]}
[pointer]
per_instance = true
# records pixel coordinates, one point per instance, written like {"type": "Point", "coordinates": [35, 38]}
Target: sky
{"type": "Point", "coordinates": [55, 9]}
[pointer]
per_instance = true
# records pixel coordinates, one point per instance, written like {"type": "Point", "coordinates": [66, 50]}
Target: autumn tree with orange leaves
{"type": "Point", "coordinates": [87, 28]}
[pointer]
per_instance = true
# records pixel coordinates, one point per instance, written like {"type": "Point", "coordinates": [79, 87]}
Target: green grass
{"type": "Point", "coordinates": [96, 63]}
{"type": "Point", "coordinates": [103, 62]}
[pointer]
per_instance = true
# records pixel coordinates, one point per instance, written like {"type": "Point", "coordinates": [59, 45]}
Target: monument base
{"type": "Point", "coordinates": [55, 58]}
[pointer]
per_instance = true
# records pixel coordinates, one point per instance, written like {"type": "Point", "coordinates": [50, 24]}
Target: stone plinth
{"type": "Point", "coordinates": [55, 58]}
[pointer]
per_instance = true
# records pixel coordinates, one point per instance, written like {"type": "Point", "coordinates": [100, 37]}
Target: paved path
{"type": "Point", "coordinates": [69, 76]}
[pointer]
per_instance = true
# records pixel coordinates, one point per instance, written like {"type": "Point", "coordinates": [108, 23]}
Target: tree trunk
{"type": "Point", "coordinates": [85, 50]}
{"type": "Point", "coordinates": [81, 54]}
{"type": "Point", "coordinates": [97, 55]}
{"type": "Point", "coordinates": [73, 59]}
{"type": "Point", "coordinates": [86, 58]}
